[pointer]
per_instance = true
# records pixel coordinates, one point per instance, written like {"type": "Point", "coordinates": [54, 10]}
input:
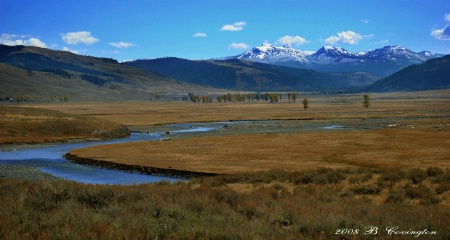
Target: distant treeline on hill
{"type": "Point", "coordinates": [93, 79]}
{"type": "Point", "coordinates": [59, 72]}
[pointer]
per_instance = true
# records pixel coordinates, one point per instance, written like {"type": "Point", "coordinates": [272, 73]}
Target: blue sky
{"type": "Point", "coordinates": [202, 29]}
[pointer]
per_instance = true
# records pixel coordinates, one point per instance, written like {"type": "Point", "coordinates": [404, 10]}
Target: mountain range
{"type": "Point", "coordinates": [50, 74]}
{"type": "Point", "coordinates": [379, 62]}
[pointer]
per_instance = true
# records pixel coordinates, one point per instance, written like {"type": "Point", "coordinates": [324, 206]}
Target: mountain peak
{"type": "Point", "coordinates": [333, 58]}
{"type": "Point", "coordinates": [333, 51]}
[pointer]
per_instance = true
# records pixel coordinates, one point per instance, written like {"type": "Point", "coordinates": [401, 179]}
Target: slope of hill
{"type": "Point", "coordinates": [44, 74]}
{"type": "Point", "coordinates": [431, 75]}
{"type": "Point", "coordinates": [248, 75]}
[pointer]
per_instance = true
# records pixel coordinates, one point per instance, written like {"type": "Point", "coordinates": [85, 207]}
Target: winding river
{"type": "Point", "coordinates": [50, 159]}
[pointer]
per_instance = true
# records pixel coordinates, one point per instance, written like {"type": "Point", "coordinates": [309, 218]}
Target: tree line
{"type": "Point", "coordinates": [240, 97]}
{"type": "Point", "coordinates": [272, 97]}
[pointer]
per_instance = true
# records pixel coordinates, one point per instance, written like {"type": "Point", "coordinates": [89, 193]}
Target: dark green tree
{"type": "Point", "coordinates": [305, 103]}
{"type": "Point", "coordinates": [366, 103]}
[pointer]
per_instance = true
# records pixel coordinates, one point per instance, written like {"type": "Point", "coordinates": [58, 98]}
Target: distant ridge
{"type": "Point", "coordinates": [431, 75]}
{"type": "Point", "coordinates": [247, 75]}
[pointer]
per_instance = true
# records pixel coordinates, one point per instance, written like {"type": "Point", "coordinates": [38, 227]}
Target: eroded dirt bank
{"type": "Point", "coordinates": [137, 168]}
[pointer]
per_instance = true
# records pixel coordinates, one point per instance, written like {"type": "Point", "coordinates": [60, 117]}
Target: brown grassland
{"type": "Point", "coordinates": [20, 125]}
{"type": "Point", "coordinates": [280, 179]}
{"type": "Point", "coordinates": [399, 130]}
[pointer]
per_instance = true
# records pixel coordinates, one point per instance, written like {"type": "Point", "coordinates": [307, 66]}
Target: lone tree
{"type": "Point", "coordinates": [366, 101]}
{"type": "Point", "coordinates": [305, 103]}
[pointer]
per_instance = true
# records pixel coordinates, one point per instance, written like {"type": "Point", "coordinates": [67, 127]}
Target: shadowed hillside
{"type": "Point", "coordinates": [44, 74]}
{"type": "Point", "coordinates": [431, 75]}
{"type": "Point", "coordinates": [247, 75]}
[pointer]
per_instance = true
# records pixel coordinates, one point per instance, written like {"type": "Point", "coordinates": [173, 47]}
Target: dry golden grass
{"type": "Point", "coordinates": [427, 104]}
{"type": "Point", "coordinates": [390, 148]}
{"type": "Point", "coordinates": [421, 138]}
{"type": "Point", "coordinates": [31, 125]}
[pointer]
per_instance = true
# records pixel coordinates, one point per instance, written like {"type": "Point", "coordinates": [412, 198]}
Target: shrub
{"type": "Point", "coordinates": [321, 176]}
{"type": "Point", "coordinates": [95, 198]}
{"type": "Point", "coordinates": [389, 178]}
{"type": "Point", "coordinates": [396, 196]}
{"type": "Point", "coordinates": [443, 187]}
{"type": "Point", "coordinates": [366, 190]}
{"type": "Point", "coordinates": [442, 178]}
{"type": "Point", "coordinates": [361, 178]}
{"type": "Point", "coordinates": [417, 175]}
{"type": "Point", "coordinates": [47, 196]}
{"type": "Point", "coordinates": [422, 192]}
{"type": "Point", "coordinates": [434, 171]}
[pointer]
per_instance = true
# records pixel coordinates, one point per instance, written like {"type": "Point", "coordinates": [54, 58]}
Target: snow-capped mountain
{"type": "Point", "coordinates": [379, 62]}
{"type": "Point", "coordinates": [267, 53]}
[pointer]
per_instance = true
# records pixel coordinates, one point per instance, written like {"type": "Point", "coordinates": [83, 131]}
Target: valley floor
{"type": "Point", "coordinates": [334, 171]}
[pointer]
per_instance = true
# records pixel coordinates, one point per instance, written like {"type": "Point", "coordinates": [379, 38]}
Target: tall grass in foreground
{"type": "Point", "coordinates": [266, 205]}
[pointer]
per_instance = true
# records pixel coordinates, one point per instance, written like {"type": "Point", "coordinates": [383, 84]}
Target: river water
{"type": "Point", "coordinates": [50, 159]}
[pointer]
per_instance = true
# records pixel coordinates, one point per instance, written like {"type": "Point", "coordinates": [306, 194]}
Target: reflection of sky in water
{"type": "Point", "coordinates": [334, 127]}
{"type": "Point", "coordinates": [87, 174]}
{"type": "Point", "coordinates": [50, 160]}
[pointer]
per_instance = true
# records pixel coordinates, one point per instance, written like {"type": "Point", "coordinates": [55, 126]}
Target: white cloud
{"type": "Point", "coordinates": [347, 37]}
{"type": "Point", "coordinates": [75, 38]}
{"type": "Point", "coordinates": [291, 40]}
{"type": "Point", "coordinates": [447, 17]}
{"type": "Point", "coordinates": [238, 46]}
{"type": "Point", "coordinates": [13, 40]}
{"type": "Point", "coordinates": [444, 33]}
{"type": "Point", "coordinates": [35, 42]}
{"type": "Point", "coordinates": [366, 21]}
{"type": "Point", "coordinates": [441, 34]}
{"type": "Point", "coordinates": [69, 50]}
{"type": "Point", "coordinates": [121, 45]}
{"type": "Point", "coordinates": [237, 26]}
{"type": "Point", "coordinates": [200, 34]}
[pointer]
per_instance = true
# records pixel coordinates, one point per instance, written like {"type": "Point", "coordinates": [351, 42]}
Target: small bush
{"type": "Point", "coordinates": [417, 175]}
{"type": "Point", "coordinates": [442, 178]}
{"type": "Point", "coordinates": [321, 176]}
{"type": "Point", "coordinates": [366, 190]}
{"type": "Point", "coordinates": [443, 187]}
{"type": "Point", "coordinates": [389, 178]}
{"type": "Point", "coordinates": [95, 198]}
{"type": "Point", "coordinates": [421, 192]}
{"type": "Point", "coordinates": [396, 196]}
{"type": "Point", "coordinates": [361, 178]}
{"type": "Point", "coordinates": [434, 171]}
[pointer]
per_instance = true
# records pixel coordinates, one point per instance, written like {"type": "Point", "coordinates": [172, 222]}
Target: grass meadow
{"type": "Point", "coordinates": [272, 185]}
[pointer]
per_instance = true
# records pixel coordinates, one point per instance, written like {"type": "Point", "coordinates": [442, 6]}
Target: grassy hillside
{"type": "Point", "coordinates": [45, 74]}
{"type": "Point", "coordinates": [246, 75]}
{"type": "Point", "coordinates": [433, 74]}
{"type": "Point", "coordinates": [31, 125]}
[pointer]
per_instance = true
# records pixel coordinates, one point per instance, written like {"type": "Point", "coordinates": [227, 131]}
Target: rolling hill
{"type": "Point", "coordinates": [431, 75]}
{"type": "Point", "coordinates": [44, 74]}
{"type": "Point", "coordinates": [247, 75]}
